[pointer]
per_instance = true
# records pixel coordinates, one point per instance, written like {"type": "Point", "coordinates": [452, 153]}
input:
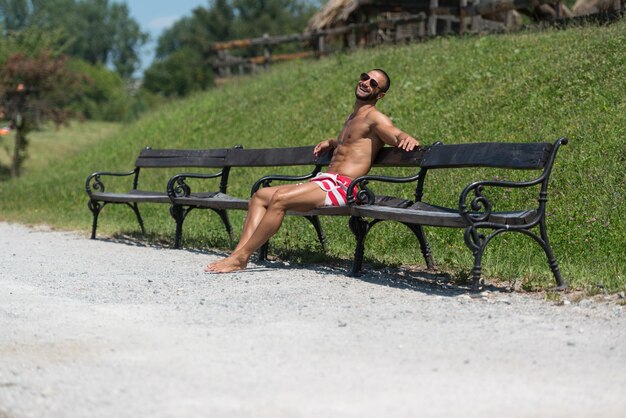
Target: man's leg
{"type": "Point", "coordinates": [301, 197]}
{"type": "Point", "coordinates": [259, 203]}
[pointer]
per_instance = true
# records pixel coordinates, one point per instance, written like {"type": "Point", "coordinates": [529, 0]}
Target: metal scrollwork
{"type": "Point", "coordinates": [480, 204]}
{"type": "Point", "coordinates": [97, 183]}
{"type": "Point", "coordinates": [474, 239]}
{"type": "Point", "coordinates": [181, 189]}
{"type": "Point", "coordinates": [94, 206]}
{"type": "Point", "coordinates": [365, 195]}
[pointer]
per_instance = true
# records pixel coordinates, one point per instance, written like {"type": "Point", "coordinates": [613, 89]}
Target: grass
{"type": "Point", "coordinates": [523, 87]}
{"type": "Point", "coordinates": [51, 145]}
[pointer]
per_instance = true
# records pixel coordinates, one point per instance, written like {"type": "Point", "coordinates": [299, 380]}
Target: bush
{"type": "Point", "coordinates": [105, 94]}
{"type": "Point", "coordinates": [179, 74]}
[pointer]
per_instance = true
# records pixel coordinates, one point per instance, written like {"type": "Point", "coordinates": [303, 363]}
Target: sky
{"type": "Point", "coordinates": [156, 15]}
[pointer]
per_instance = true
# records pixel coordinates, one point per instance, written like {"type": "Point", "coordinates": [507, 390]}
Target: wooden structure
{"type": "Point", "coordinates": [345, 24]}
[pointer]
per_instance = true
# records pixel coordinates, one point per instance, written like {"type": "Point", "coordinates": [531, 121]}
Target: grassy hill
{"type": "Point", "coordinates": [520, 87]}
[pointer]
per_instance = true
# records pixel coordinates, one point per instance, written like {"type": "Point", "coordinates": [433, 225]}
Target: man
{"type": "Point", "coordinates": [364, 133]}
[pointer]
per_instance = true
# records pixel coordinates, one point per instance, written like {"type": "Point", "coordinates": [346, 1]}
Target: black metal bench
{"type": "Point", "coordinates": [475, 211]}
{"type": "Point", "coordinates": [150, 159]}
{"type": "Point", "coordinates": [387, 157]}
{"type": "Point", "coordinates": [183, 200]}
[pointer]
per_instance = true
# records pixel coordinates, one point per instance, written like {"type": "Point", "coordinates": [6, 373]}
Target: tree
{"type": "Point", "coordinates": [35, 86]}
{"type": "Point", "coordinates": [271, 16]}
{"type": "Point", "coordinates": [104, 94]}
{"type": "Point", "coordinates": [222, 20]}
{"type": "Point", "coordinates": [178, 74]}
{"type": "Point", "coordinates": [97, 31]}
{"type": "Point", "coordinates": [199, 31]}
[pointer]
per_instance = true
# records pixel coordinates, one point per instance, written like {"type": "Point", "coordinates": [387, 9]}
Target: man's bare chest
{"type": "Point", "coordinates": [355, 129]}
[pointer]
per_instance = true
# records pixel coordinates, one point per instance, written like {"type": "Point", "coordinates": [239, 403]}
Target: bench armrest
{"type": "Point", "coordinates": [95, 182]}
{"type": "Point", "coordinates": [480, 205]}
{"type": "Point", "coordinates": [366, 196]}
{"type": "Point", "coordinates": [266, 181]}
{"type": "Point", "coordinates": [177, 185]}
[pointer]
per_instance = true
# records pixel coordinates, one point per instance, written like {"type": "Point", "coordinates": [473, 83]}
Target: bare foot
{"type": "Point", "coordinates": [226, 265]}
{"type": "Point", "coordinates": [210, 266]}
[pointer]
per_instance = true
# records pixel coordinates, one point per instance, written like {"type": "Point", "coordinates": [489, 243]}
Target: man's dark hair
{"type": "Point", "coordinates": [388, 84]}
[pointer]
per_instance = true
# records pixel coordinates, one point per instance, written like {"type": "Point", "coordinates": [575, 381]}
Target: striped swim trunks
{"type": "Point", "coordinates": [335, 186]}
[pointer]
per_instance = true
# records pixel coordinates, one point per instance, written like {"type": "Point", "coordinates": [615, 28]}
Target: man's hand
{"type": "Point", "coordinates": [408, 143]}
{"type": "Point", "coordinates": [323, 146]}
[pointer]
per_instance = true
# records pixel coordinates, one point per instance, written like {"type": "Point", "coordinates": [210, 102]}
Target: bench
{"type": "Point", "coordinates": [183, 198]}
{"type": "Point", "coordinates": [415, 214]}
{"type": "Point", "coordinates": [475, 212]}
{"type": "Point", "coordinates": [184, 201]}
{"type": "Point", "coordinates": [156, 159]}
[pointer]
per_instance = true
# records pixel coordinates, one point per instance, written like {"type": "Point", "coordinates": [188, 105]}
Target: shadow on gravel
{"type": "Point", "coordinates": [423, 281]}
{"type": "Point", "coordinates": [416, 279]}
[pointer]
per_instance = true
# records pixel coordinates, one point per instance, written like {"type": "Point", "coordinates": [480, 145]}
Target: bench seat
{"type": "Point", "coordinates": [140, 196]}
{"type": "Point", "coordinates": [215, 200]}
{"type": "Point", "coordinates": [379, 202]}
{"type": "Point", "coordinates": [431, 215]}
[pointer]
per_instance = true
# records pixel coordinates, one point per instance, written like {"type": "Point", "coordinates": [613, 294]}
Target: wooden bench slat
{"type": "Point", "coordinates": [212, 200]}
{"type": "Point", "coordinates": [324, 211]}
{"type": "Point", "coordinates": [432, 215]}
{"type": "Point", "coordinates": [168, 153]}
{"type": "Point", "coordinates": [498, 155]}
{"type": "Point", "coordinates": [141, 196]}
{"type": "Point", "coordinates": [396, 157]}
{"type": "Point", "coordinates": [267, 157]}
{"type": "Point", "coordinates": [165, 162]}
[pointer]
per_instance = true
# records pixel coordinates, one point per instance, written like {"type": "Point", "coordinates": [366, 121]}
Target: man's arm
{"type": "Point", "coordinates": [391, 135]}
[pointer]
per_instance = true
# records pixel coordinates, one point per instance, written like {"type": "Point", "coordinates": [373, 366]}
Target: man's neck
{"type": "Point", "coordinates": [360, 105]}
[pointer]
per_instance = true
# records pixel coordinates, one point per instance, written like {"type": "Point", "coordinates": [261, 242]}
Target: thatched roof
{"type": "Point", "coordinates": [335, 13]}
{"type": "Point", "coordinates": [340, 12]}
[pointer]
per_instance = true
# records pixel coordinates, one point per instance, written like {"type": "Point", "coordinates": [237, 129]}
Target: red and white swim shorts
{"type": "Point", "coordinates": [335, 186]}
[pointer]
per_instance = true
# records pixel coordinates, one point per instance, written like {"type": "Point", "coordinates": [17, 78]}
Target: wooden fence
{"type": "Point", "coordinates": [466, 17]}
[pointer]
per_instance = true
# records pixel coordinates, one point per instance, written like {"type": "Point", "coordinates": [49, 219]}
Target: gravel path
{"type": "Point", "coordinates": [112, 329]}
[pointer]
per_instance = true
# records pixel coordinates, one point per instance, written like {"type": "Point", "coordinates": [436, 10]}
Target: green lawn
{"type": "Point", "coordinates": [51, 145]}
{"type": "Point", "coordinates": [523, 87]}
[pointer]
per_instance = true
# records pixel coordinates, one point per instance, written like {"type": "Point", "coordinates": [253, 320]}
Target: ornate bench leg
{"type": "Point", "coordinates": [554, 266]}
{"type": "Point", "coordinates": [315, 220]}
{"type": "Point", "coordinates": [135, 209]}
{"type": "Point", "coordinates": [95, 209]}
{"type": "Point", "coordinates": [476, 242]}
{"type": "Point", "coordinates": [224, 217]}
{"type": "Point", "coordinates": [418, 230]}
{"type": "Point", "coordinates": [263, 251]}
{"type": "Point", "coordinates": [477, 270]}
{"type": "Point", "coordinates": [178, 213]}
{"type": "Point", "coordinates": [359, 228]}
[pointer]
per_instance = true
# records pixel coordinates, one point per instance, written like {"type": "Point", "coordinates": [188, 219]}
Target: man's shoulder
{"type": "Point", "coordinates": [377, 116]}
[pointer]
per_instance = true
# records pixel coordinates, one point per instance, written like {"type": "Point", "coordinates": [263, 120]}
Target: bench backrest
{"type": "Point", "coordinates": [164, 158]}
{"type": "Point", "coordinates": [489, 154]}
{"type": "Point", "coordinates": [275, 157]}
{"type": "Point", "coordinates": [395, 157]}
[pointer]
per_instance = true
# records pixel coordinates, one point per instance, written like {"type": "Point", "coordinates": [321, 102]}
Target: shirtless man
{"type": "Point", "coordinates": [364, 133]}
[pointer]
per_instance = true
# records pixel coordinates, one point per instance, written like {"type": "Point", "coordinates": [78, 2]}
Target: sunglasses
{"type": "Point", "coordinates": [365, 77]}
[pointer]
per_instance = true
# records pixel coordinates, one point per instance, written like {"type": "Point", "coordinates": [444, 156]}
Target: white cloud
{"type": "Point", "coordinates": [160, 23]}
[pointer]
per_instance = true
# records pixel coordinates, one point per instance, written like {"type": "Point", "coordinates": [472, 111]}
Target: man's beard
{"type": "Point", "coordinates": [368, 98]}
